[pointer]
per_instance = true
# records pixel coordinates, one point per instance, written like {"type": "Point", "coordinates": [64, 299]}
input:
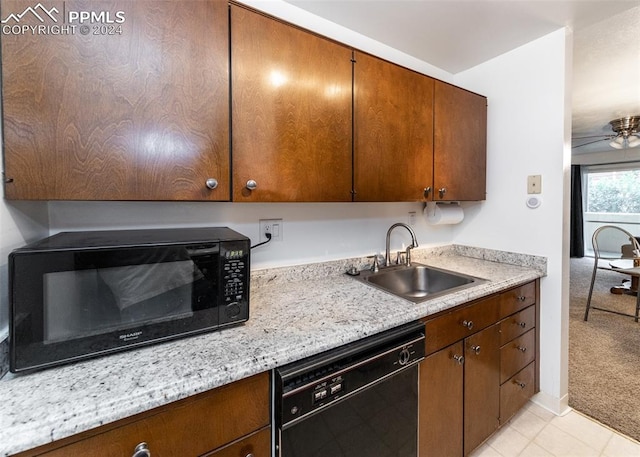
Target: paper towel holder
{"type": "Point", "coordinates": [431, 206]}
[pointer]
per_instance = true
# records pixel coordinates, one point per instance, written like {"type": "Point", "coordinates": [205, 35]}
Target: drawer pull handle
{"type": "Point", "coordinates": [521, 298]}
{"type": "Point", "coordinates": [521, 324]}
{"type": "Point", "coordinates": [476, 349]}
{"type": "Point", "coordinates": [521, 349]}
{"type": "Point", "coordinates": [141, 450]}
{"type": "Point", "coordinates": [467, 324]}
{"type": "Point", "coordinates": [459, 359]}
{"type": "Point", "coordinates": [520, 384]}
{"type": "Point", "coordinates": [211, 183]}
{"type": "Point", "coordinates": [250, 454]}
{"type": "Point", "coordinates": [252, 184]}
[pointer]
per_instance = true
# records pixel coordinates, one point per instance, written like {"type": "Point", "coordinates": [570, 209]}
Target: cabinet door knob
{"type": "Point", "coordinates": [427, 191]}
{"type": "Point", "coordinates": [442, 191]}
{"type": "Point", "coordinates": [141, 450]}
{"type": "Point", "coordinates": [250, 454]}
{"type": "Point", "coordinates": [476, 349]}
{"type": "Point", "coordinates": [521, 324]}
{"type": "Point", "coordinates": [520, 384]}
{"type": "Point", "coordinates": [251, 184]}
{"type": "Point", "coordinates": [521, 349]}
{"type": "Point", "coordinates": [459, 359]}
{"type": "Point", "coordinates": [211, 183]}
{"type": "Point", "coordinates": [467, 324]}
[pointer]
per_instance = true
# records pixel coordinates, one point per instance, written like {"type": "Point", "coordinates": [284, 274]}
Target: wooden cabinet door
{"type": "Point", "coordinates": [393, 131]}
{"type": "Point", "coordinates": [441, 403]}
{"type": "Point", "coordinates": [133, 111]}
{"type": "Point", "coordinates": [481, 386]}
{"type": "Point", "coordinates": [291, 112]}
{"type": "Point", "coordinates": [460, 144]}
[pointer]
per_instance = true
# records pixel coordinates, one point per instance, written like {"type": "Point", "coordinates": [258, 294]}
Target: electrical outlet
{"type": "Point", "coordinates": [272, 226]}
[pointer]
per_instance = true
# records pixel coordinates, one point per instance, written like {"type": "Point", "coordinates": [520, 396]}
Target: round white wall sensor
{"type": "Point", "coordinates": [534, 201]}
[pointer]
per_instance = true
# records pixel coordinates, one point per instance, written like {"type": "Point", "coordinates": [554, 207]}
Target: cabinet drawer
{"type": "Point", "coordinates": [517, 324]}
{"type": "Point", "coordinates": [257, 445]}
{"type": "Point", "coordinates": [516, 299]}
{"type": "Point", "coordinates": [517, 354]}
{"type": "Point", "coordinates": [460, 323]}
{"type": "Point", "coordinates": [516, 392]}
{"type": "Point", "coordinates": [192, 426]}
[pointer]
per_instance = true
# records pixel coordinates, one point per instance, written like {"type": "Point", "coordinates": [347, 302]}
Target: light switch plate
{"type": "Point", "coordinates": [534, 184]}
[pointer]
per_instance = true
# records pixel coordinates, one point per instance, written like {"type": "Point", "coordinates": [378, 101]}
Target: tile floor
{"type": "Point", "coordinates": [536, 432]}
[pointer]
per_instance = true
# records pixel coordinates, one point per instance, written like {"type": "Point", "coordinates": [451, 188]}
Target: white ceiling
{"type": "Point", "coordinates": [456, 35]}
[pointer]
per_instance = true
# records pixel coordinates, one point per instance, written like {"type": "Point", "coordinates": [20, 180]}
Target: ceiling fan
{"type": "Point", "coordinates": [626, 134]}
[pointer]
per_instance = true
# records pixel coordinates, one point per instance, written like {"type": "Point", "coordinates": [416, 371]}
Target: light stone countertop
{"type": "Point", "coordinates": [295, 312]}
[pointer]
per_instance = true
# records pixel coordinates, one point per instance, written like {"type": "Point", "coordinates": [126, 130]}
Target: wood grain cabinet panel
{"type": "Point", "coordinates": [460, 144]}
{"type": "Point", "coordinates": [481, 387]}
{"type": "Point", "coordinates": [517, 324]}
{"type": "Point", "coordinates": [291, 112]}
{"type": "Point", "coordinates": [460, 323]}
{"type": "Point", "coordinates": [256, 445]}
{"type": "Point", "coordinates": [441, 403]}
{"type": "Point", "coordinates": [138, 115]}
{"type": "Point", "coordinates": [517, 298]}
{"type": "Point", "coordinates": [517, 354]}
{"type": "Point", "coordinates": [224, 419]}
{"type": "Point", "coordinates": [516, 392]}
{"type": "Point", "coordinates": [393, 128]}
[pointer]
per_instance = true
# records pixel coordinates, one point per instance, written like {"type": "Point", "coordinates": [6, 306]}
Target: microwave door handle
{"type": "Point", "coordinates": [206, 251]}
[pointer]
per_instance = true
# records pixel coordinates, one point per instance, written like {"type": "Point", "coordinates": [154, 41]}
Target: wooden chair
{"type": "Point", "coordinates": [604, 238]}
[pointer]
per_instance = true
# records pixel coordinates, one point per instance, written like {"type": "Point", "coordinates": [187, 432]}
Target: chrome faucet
{"type": "Point", "coordinates": [414, 244]}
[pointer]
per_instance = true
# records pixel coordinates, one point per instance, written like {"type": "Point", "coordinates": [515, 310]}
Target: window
{"type": "Point", "coordinates": [613, 190]}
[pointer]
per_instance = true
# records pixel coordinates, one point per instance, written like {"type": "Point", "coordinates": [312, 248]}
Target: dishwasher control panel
{"type": "Point", "coordinates": [313, 386]}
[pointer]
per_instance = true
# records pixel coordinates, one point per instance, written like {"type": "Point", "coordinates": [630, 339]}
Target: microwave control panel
{"type": "Point", "coordinates": [235, 282]}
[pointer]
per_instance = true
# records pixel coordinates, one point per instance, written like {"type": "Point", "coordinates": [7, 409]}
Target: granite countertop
{"type": "Point", "coordinates": [295, 312]}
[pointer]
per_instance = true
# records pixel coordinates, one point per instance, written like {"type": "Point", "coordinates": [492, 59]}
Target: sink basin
{"type": "Point", "coordinates": [417, 283]}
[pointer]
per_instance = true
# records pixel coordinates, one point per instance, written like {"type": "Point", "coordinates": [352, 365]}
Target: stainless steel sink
{"type": "Point", "coordinates": [417, 282]}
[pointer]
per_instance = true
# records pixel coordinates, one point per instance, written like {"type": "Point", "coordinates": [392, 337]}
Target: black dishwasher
{"type": "Point", "coordinates": [360, 399]}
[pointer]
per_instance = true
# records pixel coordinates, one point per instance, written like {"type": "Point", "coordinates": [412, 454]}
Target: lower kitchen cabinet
{"type": "Point", "coordinates": [230, 421]}
{"type": "Point", "coordinates": [441, 403]}
{"type": "Point", "coordinates": [480, 369]}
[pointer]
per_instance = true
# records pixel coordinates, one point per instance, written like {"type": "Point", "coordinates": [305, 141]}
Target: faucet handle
{"type": "Point", "coordinates": [375, 266]}
{"type": "Point", "coordinates": [378, 261]}
{"type": "Point", "coordinates": [401, 257]}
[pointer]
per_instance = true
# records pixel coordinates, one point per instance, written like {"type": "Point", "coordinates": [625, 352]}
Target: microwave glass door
{"type": "Point", "coordinates": [91, 302]}
{"type": "Point", "coordinates": [84, 302]}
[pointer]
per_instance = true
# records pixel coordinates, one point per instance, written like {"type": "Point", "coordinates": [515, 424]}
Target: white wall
{"type": "Point", "coordinates": [312, 231]}
{"type": "Point", "coordinates": [528, 134]}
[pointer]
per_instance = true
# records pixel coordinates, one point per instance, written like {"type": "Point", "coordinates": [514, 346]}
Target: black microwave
{"type": "Point", "coordinates": [77, 295]}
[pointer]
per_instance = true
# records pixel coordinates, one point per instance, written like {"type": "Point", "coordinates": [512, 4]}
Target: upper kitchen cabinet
{"type": "Point", "coordinates": [460, 144]}
{"type": "Point", "coordinates": [133, 105]}
{"type": "Point", "coordinates": [291, 113]}
{"type": "Point", "coordinates": [393, 127]}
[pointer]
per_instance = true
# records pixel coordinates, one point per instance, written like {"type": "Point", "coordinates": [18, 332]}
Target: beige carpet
{"type": "Point", "coordinates": [604, 353]}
